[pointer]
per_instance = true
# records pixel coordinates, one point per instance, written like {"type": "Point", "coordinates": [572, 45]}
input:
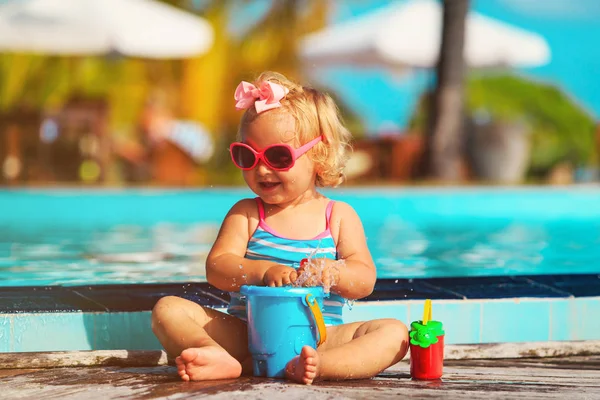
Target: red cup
{"type": "Point", "coordinates": [426, 357]}
{"type": "Point", "coordinates": [427, 363]}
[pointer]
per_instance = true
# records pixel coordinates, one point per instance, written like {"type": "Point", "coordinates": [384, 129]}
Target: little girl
{"type": "Point", "coordinates": [291, 141]}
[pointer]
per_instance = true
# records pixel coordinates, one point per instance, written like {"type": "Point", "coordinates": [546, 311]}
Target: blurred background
{"type": "Point", "coordinates": [115, 93]}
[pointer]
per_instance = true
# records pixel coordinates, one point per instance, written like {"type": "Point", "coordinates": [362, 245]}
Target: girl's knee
{"type": "Point", "coordinates": [394, 327]}
{"type": "Point", "coordinates": [397, 326]}
{"type": "Point", "coordinates": [161, 311]}
{"type": "Point", "coordinates": [175, 309]}
{"type": "Point", "coordinates": [164, 305]}
{"type": "Point", "coordinates": [399, 332]}
{"type": "Point", "coordinates": [396, 336]}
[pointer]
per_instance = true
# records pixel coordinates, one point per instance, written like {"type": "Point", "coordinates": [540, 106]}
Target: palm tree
{"type": "Point", "coordinates": [444, 141]}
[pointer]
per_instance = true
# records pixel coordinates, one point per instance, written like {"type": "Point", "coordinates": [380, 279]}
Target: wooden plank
{"type": "Point", "coordinates": [520, 350]}
{"type": "Point", "coordinates": [57, 359]}
{"type": "Point", "coordinates": [464, 379]}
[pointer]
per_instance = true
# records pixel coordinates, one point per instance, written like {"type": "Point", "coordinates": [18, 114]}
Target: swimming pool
{"type": "Point", "coordinates": [88, 237]}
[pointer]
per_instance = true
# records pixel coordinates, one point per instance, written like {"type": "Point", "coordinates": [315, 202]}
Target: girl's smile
{"type": "Point", "coordinates": [269, 186]}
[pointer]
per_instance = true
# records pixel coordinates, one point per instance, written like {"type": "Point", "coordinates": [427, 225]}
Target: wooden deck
{"type": "Point", "coordinates": [576, 377]}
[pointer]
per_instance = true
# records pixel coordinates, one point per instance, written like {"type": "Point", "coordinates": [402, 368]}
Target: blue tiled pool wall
{"type": "Point", "coordinates": [465, 322]}
{"type": "Point", "coordinates": [473, 310]}
{"type": "Point", "coordinates": [66, 331]}
{"type": "Point", "coordinates": [500, 320]}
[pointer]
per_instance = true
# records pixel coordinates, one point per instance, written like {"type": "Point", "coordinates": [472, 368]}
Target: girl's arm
{"type": "Point", "coordinates": [226, 267]}
{"type": "Point", "coordinates": [357, 278]}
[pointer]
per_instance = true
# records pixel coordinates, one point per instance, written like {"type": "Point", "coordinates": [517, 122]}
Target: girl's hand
{"type": "Point", "coordinates": [280, 275]}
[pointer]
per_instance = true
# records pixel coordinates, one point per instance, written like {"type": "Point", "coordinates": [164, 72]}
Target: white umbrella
{"type": "Point", "coordinates": [138, 28]}
{"type": "Point", "coordinates": [408, 34]}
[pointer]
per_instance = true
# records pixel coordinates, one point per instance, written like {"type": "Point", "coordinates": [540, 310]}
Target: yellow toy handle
{"type": "Point", "coordinates": [427, 312]}
{"type": "Point", "coordinates": [316, 312]}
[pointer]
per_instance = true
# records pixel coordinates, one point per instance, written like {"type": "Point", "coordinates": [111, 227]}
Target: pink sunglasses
{"type": "Point", "coordinates": [279, 157]}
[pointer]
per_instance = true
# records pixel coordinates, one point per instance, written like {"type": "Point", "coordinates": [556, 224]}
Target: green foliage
{"type": "Point", "coordinates": [561, 130]}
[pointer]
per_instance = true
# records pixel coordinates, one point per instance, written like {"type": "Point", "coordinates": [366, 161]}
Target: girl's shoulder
{"type": "Point", "coordinates": [341, 209]}
{"type": "Point", "coordinates": [343, 216]}
{"type": "Point", "coordinates": [247, 207]}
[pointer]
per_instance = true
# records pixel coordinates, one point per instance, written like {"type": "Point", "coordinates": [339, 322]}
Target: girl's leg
{"type": "Point", "coordinates": [207, 344]}
{"type": "Point", "coordinates": [352, 351]}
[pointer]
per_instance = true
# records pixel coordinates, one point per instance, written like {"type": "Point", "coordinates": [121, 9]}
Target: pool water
{"type": "Point", "coordinates": [94, 237]}
{"type": "Point", "coordinates": [487, 248]}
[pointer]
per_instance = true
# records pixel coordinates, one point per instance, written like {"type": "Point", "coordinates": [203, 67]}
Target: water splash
{"type": "Point", "coordinates": [316, 273]}
{"type": "Point", "coordinates": [350, 304]}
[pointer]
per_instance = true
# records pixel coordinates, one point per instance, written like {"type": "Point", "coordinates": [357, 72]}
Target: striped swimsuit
{"type": "Point", "coordinates": [265, 244]}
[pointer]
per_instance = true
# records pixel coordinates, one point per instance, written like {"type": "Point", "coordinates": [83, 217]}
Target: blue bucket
{"type": "Point", "coordinates": [281, 320]}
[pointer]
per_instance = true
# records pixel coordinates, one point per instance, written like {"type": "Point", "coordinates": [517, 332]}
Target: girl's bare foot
{"type": "Point", "coordinates": [303, 368]}
{"type": "Point", "coordinates": [207, 363]}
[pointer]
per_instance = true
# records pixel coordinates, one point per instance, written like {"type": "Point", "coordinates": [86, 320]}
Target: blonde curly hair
{"type": "Point", "coordinates": [315, 114]}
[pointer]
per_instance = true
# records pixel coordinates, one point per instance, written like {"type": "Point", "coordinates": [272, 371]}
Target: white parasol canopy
{"type": "Point", "coordinates": [137, 28]}
{"type": "Point", "coordinates": [408, 34]}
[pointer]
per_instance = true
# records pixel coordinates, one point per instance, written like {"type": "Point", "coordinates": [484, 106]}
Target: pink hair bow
{"type": "Point", "coordinates": [264, 98]}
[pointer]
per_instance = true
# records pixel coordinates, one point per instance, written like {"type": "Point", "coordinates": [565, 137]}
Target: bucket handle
{"type": "Point", "coordinates": [316, 312]}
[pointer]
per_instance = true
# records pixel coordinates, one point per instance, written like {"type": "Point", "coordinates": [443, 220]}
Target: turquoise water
{"type": "Point", "coordinates": [96, 237]}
